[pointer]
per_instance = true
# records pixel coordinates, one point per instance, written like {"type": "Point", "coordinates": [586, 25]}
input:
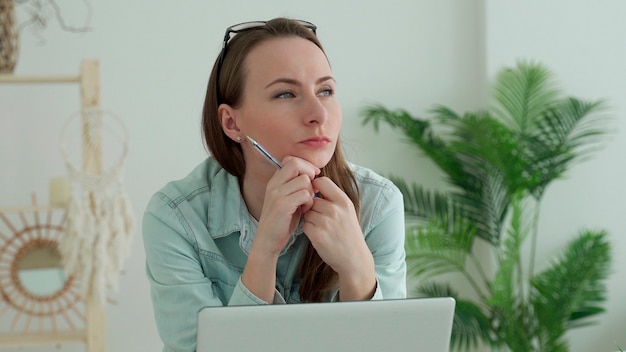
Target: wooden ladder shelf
{"type": "Point", "coordinates": [93, 334]}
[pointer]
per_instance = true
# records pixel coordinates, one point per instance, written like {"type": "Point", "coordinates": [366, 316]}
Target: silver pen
{"type": "Point", "coordinates": [265, 153]}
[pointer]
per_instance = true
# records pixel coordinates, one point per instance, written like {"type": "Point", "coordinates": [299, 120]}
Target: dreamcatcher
{"type": "Point", "coordinates": [99, 221]}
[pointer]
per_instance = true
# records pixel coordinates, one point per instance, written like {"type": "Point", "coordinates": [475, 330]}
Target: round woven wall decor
{"type": "Point", "coordinates": [35, 233]}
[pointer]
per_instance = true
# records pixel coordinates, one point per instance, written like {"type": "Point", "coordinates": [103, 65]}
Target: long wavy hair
{"type": "Point", "coordinates": [317, 277]}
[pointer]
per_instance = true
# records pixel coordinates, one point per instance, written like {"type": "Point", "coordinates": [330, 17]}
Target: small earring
{"type": "Point", "coordinates": [238, 139]}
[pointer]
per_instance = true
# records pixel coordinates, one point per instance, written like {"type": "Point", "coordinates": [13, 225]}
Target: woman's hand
{"type": "Point", "coordinates": [333, 228]}
{"type": "Point", "coordinates": [289, 194]}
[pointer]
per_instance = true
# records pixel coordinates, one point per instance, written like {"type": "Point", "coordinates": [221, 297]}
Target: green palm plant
{"type": "Point", "coordinates": [499, 163]}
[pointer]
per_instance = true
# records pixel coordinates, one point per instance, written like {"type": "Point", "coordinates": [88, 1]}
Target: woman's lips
{"type": "Point", "coordinates": [317, 142]}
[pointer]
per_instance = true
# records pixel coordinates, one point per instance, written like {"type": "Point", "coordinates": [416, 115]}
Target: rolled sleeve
{"type": "Point", "coordinates": [244, 297]}
{"type": "Point", "coordinates": [386, 240]}
{"type": "Point", "coordinates": [378, 294]}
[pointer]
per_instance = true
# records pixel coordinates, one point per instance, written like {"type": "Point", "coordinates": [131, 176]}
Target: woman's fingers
{"type": "Point", "coordinates": [333, 228]}
{"type": "Point", "coordinates": [288, 195]}
{"type": "Point", "coordinates": [293, 166]}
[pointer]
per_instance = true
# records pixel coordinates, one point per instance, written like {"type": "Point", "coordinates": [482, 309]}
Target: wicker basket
{"type": "Point", "coordinates": [8, 37]}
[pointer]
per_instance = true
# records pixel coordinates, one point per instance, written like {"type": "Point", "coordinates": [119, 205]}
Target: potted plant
{"type": "Point", "coordinates": [499, 163]}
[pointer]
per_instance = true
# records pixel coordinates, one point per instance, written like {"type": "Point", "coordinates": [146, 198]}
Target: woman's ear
{"type": "Point", "coordinates": [228, 120]}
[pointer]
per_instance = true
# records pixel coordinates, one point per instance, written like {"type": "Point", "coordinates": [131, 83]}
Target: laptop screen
{"type": "Point", "coordinates": [417, 324]}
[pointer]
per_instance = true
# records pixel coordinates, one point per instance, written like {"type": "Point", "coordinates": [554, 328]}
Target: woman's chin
{"type": "Point", "coordinates": [320, 162]}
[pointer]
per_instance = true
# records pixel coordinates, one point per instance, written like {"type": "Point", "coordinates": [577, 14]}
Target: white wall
{"type": "Point", "coordinates": [405, 54]}
{"type": "Point", "coordinates": [155, 61]}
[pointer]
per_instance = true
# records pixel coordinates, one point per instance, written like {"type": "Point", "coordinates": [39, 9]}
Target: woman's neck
{"type": "Point", "coordinates": [253, 191]}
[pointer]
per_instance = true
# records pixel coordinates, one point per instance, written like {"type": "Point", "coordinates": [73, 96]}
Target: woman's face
{"type": "Point", "coordinates": [289, 104]}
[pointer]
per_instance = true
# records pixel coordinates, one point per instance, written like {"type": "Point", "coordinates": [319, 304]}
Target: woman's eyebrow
{"type": "Point", "coordinates": [296, 82]}
{"type": "Point", "coordinates": [324, 79]}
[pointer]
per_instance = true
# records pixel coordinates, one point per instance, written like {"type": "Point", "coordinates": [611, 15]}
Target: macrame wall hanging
{"type": "Point", "coordinates": [99, 221]}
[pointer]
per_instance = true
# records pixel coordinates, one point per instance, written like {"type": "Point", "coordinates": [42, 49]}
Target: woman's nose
{"type": "Point", "coordinates": [316, 112]}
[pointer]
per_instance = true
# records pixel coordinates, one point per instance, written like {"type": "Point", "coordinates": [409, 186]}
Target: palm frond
{"type": "Point", "coordinates": [572, 287]}
{"type": "Point", "coordinates": [481, 138]}
{"type": "Point", "coordinates": [421, 203]}
{"type": "Point", "coordinates": [433, 250]}
{"type": "Point", "coordinates": [396, 119]}
{"type": "Point", "coordinates": [487, 205]}
{"type": "Point", "coordinates": [567, 133]}
{"type": "Point", "coordinates": [419, 133]}
{"type": "Point", "coordinates": [522, 94]}
{"type": "Point", "coordinates": [572, 122]}
{"type": "Point", "coordinates": [494, 166]}
{"type": "Point", "coordinates": [444, 113]}
{"type": "Point", "coordinates": [435, 289]}
{"type": "Point", "coordinates": [470, 324]}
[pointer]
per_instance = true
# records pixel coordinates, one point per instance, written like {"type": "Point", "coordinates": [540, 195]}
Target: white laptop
{"type": "Point", "coordinates": [416, 324]}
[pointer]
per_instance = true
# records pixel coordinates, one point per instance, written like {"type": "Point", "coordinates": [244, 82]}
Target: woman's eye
{"type": "Point", "coordinates": [327, 92]}
{"type": "Point", "coordinates": [285, 95]}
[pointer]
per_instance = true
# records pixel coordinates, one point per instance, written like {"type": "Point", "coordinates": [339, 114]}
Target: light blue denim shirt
{"type": "Point", "coordinates": [197, 234]}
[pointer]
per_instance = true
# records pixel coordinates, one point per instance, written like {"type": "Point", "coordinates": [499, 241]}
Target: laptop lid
{"type": "Point", "coordinates": [416, 324]}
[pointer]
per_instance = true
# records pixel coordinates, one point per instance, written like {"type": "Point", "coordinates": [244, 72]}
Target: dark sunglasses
{"type": "Point", "coordinates": [242, 27]}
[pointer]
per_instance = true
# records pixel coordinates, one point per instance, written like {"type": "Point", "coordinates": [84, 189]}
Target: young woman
{"type": "Point", "coordinates": [241, 230]}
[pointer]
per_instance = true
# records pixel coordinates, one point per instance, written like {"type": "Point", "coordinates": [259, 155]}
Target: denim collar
{"type": "Point", "coordinates": [226, 203]}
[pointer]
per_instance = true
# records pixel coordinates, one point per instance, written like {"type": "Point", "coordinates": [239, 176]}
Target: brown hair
{"type": "Point", "coordinates": [317, 278]}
